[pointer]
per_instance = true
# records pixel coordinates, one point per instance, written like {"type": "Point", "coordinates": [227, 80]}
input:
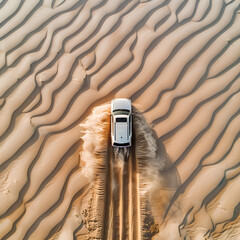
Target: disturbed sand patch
{"type": "Point", "coordinates": [123, 181]}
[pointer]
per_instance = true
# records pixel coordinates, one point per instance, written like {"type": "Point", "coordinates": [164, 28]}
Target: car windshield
{"type": "Point", "coordinates": [121, 112]}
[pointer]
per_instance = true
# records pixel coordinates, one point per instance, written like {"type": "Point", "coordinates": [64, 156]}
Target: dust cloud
{"type": "Point", "coordinates": [128, 181]}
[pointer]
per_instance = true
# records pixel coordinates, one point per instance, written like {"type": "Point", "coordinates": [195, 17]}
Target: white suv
{"type": "Point", "coordinates": [121, 122]}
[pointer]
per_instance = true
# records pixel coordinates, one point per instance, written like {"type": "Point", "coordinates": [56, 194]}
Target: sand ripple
{"type": "Point", "coordinates": [177, 60]}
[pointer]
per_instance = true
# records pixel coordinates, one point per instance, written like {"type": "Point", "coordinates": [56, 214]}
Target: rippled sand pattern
{"type": "Point", "coordinates": [177, 60]}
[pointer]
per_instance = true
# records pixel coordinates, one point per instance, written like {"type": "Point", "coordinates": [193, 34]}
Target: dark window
{"type": "Point", "coordinates": [121, 119]}
{"type": "Point", "coordinates": [124, 110]}
{"type": "Point", "coordinates": [121, 144]}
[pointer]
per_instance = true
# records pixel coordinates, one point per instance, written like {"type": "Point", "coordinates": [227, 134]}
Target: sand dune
{"type": "Point", "coordinates": [178, 61]}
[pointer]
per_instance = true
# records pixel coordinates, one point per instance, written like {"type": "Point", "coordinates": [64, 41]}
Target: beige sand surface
{"type": "Point", "coordinates": [178, 61]}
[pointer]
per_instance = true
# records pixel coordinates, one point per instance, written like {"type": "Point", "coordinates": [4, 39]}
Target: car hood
{"type": "Point", "coordinates": [121, 104]}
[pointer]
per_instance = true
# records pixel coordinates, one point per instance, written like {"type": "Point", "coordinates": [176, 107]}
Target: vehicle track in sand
{"type": "Point", "coordinates": [121, 218]}
{"type": "Point", "coordinates": [126, 205]}
{"type": "Point", "coordinates": [117, 210]}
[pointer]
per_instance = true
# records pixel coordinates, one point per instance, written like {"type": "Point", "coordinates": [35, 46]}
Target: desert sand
{"type": "Point", "coordinates": [62, 62]}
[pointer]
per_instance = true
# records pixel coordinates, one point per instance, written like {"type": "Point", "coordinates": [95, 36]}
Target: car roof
{"type": "Point", "coordinates": [120, 104]}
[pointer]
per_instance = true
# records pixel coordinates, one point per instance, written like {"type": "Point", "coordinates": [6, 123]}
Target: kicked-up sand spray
{"type": "Point", "coordinates": [124, 181]}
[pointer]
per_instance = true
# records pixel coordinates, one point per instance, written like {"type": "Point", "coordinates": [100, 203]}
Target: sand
{"type": "Point", "coordinates": [61, 63]}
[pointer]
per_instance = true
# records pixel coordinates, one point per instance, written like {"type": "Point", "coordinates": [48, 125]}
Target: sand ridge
{"type": "Point", "coordinates": [177, 60]}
